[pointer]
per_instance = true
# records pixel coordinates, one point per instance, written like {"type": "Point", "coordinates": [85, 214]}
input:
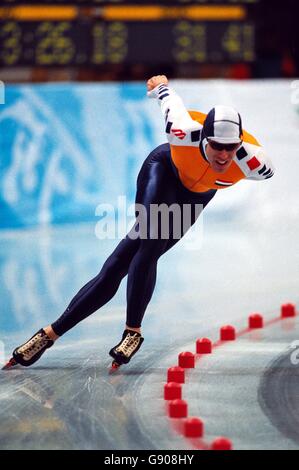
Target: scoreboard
{"type": "Point", "coordinates": [99, 32]}
{"type": "Point", "coordinates": [78, 43]}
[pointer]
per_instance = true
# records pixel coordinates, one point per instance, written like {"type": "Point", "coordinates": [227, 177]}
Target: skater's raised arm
{"type": "Point", "coordinates": [179, 123]}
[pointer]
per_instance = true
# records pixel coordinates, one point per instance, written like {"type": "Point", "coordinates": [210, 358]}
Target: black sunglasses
{"type": "Point", "coordinates": [219, 147]}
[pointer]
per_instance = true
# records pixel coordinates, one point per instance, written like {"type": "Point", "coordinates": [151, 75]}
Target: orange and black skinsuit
{"type": "Point", "coordinates": [174, 173]}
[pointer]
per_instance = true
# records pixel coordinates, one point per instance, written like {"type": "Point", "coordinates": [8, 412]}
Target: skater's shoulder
{"type": "Point", "coordinates": [197, 116]}
{"type": "Point", "coordinates": [249, 139]}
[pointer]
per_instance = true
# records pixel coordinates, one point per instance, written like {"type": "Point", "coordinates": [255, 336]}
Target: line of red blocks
{"type": "Point", "coordinates": [177, 407]}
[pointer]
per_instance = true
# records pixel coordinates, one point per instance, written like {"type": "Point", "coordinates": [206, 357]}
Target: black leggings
{"type": "Point", "coordinates": [138, 256]}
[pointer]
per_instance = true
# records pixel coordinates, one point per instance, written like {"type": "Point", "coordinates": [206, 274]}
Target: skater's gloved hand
{"type": "Point", "coordinates": [155, 81]}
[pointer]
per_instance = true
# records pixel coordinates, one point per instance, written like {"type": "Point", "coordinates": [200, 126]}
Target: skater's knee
{"type": "Point", "coordinates": [113, 266]}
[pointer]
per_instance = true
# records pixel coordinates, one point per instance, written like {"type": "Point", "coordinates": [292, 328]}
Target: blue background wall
{"type": "Point", "coordinates": [67, 148]}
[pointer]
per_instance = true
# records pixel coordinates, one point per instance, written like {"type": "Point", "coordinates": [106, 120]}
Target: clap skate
{"type": "Point", "coordinates": [29, 352]}
{"type": "Point", "coordinates": [126, 348]}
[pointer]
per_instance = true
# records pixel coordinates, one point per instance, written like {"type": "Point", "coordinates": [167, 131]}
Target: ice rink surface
{"type": "Point", "coordinates": [246, 260]}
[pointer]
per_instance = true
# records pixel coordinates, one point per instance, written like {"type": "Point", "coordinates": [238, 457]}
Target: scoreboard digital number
{"type": "Point", "coordinates": [94, 42]}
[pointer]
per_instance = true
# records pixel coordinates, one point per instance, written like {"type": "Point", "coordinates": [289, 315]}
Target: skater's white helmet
{"type": "Point", "coordinates": [223, 124]}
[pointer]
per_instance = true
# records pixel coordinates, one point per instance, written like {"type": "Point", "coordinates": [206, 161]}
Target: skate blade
{"type": "Point", "coordinates": [114, 367]}
{"type": "Point", "coordinates": [10, 364]}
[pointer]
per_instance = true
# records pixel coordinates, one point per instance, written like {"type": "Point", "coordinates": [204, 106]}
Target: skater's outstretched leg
{"type": "Point", "coordinates": [90, 298]}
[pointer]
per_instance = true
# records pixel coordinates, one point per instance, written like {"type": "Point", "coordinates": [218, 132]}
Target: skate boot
{"type": "Point", "coordinates": [29, 352]}
{"type": "Point", "coordinates": [126, 348]}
